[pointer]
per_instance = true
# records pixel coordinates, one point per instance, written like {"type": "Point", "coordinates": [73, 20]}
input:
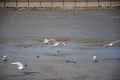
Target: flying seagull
{"type": "Point", "coordinates": [59, 44]}
{"type": "Point", "coordinates": [111, 44]}
{"type": "Point", "coordinates": [45, 41]}
{"type": "Point", "coordinates": [4, 58]}
{"type": "Point", "coordinates": [19, 64]}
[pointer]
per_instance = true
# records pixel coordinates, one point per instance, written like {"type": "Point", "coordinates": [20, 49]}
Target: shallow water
{"type": "Point", "coordinates": [82, 24]}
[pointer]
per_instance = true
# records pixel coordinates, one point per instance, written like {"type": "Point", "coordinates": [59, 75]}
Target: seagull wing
{"type": "Point", "coordinates": [64, 44]}
{"type": "Point", "coordinates": [52, 40]}
{"type": "Point", "coordinates": [117, 41]}
{"type": "Point", "coordinates": [106, 45]}
{"type": "Point", "coordinates": [19, 64]}
{"type": "Point", "coordinates": [56, 44]}
{"type": "Point", "coordinates": [46, 40]}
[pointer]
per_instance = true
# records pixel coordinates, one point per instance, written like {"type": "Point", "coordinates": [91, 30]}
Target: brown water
{"type": "Point", "coordinates": [83, 32]}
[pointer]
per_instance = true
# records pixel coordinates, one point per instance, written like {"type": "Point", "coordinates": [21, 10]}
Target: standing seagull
{"type": "Point", "coordinates": [111, 44]}
{"type": "Point", "coordinates": [19, 64]}
{"type": "Point", "coordinates": [95, 59]}
{"type": "Point", "coordinates": [4, 58]}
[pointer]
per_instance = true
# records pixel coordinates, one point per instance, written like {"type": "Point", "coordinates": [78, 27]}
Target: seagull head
{"type": "Point", "coordinates": [94, 57]}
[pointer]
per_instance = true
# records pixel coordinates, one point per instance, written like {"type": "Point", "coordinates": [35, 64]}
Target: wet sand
{"type": "Point", "coordinates": [83, 32]}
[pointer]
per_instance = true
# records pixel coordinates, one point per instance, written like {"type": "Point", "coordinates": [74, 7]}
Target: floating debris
{"type": "Point", "coordinates": [20, 65]}
{"type": "Point", "coordinates": [37, 56]}
{"type": "Point", "coordinates": [111, 44]}
{"type": "Point", "coordinates": [58, 51]}
{"type": "Point", "coordinates": [4, 58]}
{"type": "Point", "coordinates": [25, 65]}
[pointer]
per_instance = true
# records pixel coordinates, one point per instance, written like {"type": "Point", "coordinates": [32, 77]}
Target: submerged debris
{"type": "Point", "coordinates": [69, 61]}
{"type": "Point", "coordinates": [37, 56]}
{"type": "Point", "coordinates": [58, 51]}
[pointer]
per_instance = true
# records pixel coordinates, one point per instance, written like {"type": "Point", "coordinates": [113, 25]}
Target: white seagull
{"type": "Point", "coordinates": [112, 43]}
{"type": "Point", "coordinates": [59, 44]}
{"type": "Point", "coordinates": [19, 64]}
{"type": "Point", "coordinates": [4, 58]}
{"type": "Point", "coordinates": [94, 59]}
{"type": "Point", "coordinates": [45, 41]}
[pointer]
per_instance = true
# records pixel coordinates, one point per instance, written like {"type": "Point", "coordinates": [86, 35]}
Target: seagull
{"type": "Point", "coordinates": [20, 65]}
{"type": "Point", "coordinates": [59, 44]}
{"type": "Point", "coordinates": [95, 59]}
{"type": "Point", "coordinates": [4, 58]}
{"type": "Point", "coordinates": [45, 41]}
{"type": "Point", "coordinates": [111, 44]}
{"type": "Point", "coordinates": [52, 40]}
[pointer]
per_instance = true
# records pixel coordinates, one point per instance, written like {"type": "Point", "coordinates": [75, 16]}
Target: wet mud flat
{"type": "Point", "coordinates": [83, 32]}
